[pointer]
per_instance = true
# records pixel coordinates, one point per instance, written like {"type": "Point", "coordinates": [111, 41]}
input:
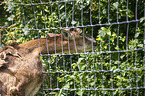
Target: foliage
{"type": "Point", "coordinates": [117, 62]}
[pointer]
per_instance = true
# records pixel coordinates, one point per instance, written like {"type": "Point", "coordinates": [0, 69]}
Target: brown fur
{"type": "Point", "coordinates": [21, 67]}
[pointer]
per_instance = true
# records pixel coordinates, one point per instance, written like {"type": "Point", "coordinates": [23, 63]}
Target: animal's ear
{"type": "Point", "coordinates": [9, 50]}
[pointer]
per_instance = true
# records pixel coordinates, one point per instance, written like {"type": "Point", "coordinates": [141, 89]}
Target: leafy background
{"type": "Point", "coordinates": [115, 67]}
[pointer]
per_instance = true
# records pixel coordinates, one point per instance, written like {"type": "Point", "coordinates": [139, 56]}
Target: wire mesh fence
{"type": "Point", "coordinates": [114, 64]}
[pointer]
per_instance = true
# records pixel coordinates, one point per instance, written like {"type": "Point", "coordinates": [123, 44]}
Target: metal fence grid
{"type": "Point", "coordinates": [114, 68]}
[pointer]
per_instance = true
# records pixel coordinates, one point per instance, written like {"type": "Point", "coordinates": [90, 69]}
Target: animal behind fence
{"type": "Point", "coordinates": [20, 65]}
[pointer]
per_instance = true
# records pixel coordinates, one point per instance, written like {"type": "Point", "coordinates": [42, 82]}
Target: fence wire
{"type": "Point", "coordinates": [115, 63]}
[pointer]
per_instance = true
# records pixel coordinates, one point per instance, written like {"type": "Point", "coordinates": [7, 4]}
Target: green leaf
{"type": "Point", "coordinates": [116, 4]}
{"type": "Point", "coordinates": [80, 92]}
{"type": "Point", "coordinates": [142, 19]}
{"type": "Point", "coordinates": [140, 45]}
